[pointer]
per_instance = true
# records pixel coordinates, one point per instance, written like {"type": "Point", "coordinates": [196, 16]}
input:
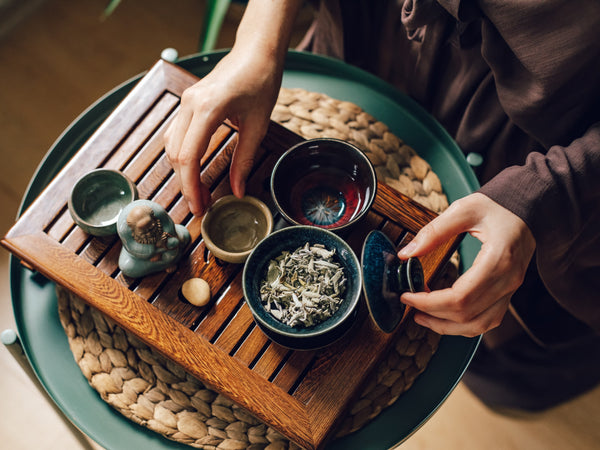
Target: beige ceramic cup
{"type": "Point", "coordinates": [232, 227]}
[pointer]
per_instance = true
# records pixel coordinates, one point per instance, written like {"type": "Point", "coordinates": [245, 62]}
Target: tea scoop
{"type": "Point", "coordinates": [385, 278]}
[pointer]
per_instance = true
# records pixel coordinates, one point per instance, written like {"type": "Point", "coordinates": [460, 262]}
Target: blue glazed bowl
{"type": "Point", "coordinates": [327, 183]}
{"type": "Point", "coordinates": [98, 198]}
{"type": "Point", "coordinates": [255, 271]}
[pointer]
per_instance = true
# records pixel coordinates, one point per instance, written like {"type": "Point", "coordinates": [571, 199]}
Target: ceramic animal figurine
{"type": "Point", "coordinates": [152, 242]}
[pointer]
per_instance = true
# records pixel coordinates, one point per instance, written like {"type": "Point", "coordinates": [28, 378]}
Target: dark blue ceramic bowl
{"type": "Point", "coordinates": [255, 270]}
{"type": "Point", "coordinates": [327, 183]}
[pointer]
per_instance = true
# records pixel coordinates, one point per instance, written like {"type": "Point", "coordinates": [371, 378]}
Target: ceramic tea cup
{"type": "Point", "coordinates": [256, 272]}
{"type": "Point", "coordinates": [327, 183]}
{"type": "Point", "coordinates": [98, 198]}
{"type": "Point", "coordinates": [232, 227]}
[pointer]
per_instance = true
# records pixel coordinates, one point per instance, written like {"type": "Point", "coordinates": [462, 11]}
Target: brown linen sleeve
{"type": "Point", "coordinates": [545, 60]}
{"type": "Point", "coordinates": [558, 196]}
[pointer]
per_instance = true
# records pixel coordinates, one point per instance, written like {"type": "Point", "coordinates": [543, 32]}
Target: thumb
{"type": "Point", "coordinates": [457, 219]}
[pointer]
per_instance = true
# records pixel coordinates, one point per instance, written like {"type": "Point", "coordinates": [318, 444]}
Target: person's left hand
{"type": "Point", "coordinates": [478, 299]}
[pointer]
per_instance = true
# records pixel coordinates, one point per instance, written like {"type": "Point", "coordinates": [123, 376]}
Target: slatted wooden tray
{"type": "Point", "coordinates": [302, 394]}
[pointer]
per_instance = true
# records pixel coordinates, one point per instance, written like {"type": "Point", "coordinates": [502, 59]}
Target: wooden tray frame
{"type": "Point", "coordinates": [302, 394]}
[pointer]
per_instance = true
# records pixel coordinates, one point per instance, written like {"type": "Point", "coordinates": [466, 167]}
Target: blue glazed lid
{"type": "Point", "coordinates": [386, 278]}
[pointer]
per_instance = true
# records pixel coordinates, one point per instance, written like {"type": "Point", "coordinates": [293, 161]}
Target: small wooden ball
{"type": "Point", "coordinates": [196, 291]}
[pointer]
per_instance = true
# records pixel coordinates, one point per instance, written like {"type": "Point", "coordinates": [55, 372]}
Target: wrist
{"type": "Point", "coordinates": [266, 27]}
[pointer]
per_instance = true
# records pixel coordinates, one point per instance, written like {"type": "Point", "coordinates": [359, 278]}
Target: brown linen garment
{"type": "Point", "coordinates": [519, 83]}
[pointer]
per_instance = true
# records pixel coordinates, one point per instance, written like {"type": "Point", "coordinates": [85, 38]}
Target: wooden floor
{"type": "Point", "coordinates": [58, 59]}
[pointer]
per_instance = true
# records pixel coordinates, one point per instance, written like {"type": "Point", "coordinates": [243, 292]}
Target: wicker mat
{"type": "Point", "coordinates": [154, 392]}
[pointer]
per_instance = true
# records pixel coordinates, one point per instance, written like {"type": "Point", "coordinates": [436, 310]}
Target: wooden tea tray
{"type": "Point", "coordinates": [302, 394]}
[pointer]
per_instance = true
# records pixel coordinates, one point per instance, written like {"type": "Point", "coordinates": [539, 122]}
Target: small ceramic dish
{"type": "Point", "coordinates": [256, 270]}
{"type": "Point", "coordinates": [232, 227]}
{"type": "Point", "coordinates": [98, 198]}
{"type": "Point", "coordinates": [327, 183]}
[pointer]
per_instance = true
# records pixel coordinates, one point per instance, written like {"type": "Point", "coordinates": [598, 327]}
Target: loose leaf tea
{"type": "Point", "coordinates": [303, 287]}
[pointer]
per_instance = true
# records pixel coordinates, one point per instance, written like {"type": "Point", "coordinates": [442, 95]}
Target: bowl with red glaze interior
{"type": "Point", "coordinates": [326, 183]}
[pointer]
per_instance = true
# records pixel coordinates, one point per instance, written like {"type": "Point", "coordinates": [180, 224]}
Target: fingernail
{"type": "Point", "coordinates": [198, 212]}
{"type": "Point", "coordinates": [407, 251]}
{"type": "Point", "coordinates": [403, 300]}
{"type": "Point", "coordinates": [421, 320]}
{"type": "Point", "coordinates": [238, 190]}
{"type": "Point", "coordinates": [196, 209]}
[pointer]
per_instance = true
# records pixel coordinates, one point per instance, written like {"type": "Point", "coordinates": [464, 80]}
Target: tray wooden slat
{"type": "Point", "coordinates": [303, 394]}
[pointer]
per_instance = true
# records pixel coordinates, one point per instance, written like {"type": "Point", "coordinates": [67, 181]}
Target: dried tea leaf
{"type": "Point", "coordinates": [303, 287]}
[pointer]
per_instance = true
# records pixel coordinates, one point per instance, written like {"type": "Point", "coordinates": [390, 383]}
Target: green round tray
{"type": "Point", "coordinates": [34, 298]}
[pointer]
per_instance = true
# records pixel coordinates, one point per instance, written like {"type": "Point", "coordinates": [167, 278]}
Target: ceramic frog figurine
{"type": "Point", "coordinates": [152, 242]}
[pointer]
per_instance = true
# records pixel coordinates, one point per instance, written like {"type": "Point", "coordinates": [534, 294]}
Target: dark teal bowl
{"type": "Point", "coordinates": [255, 269]}
{"type": "Point", "coordinates": [326, 183]}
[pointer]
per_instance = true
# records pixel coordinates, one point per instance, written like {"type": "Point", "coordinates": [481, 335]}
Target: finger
{"type": "Point", "coordinates": [472, 293]}
{"type": "Point", "coordinates": [173, 138]}
{"type": "Point", "coordinates": [192, 149]}
{"type": "Point", "coordinates": [243, 158]}
{"type": "Point", "coordinates": [458, 218]}
{"type": "Point", "coordinates": [487, 320]}
{"type": "Point", "coordinates": [175, 134]}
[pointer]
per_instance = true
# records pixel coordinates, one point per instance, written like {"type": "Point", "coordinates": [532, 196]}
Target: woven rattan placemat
{"type": "Point", "coordinates": [154, 392]}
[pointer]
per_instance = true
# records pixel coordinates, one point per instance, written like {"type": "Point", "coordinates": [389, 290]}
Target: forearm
{"type": "Point", "coordinates": [266, 28]}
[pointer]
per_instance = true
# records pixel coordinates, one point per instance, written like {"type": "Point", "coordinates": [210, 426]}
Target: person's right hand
{"type": "Point", "coordinates": [243, 88]}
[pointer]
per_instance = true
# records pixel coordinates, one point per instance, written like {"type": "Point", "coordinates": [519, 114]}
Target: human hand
{"type": "Point", "coordinates": [479, 298]}
{"type": "Point", "coordinates": [243, 88]}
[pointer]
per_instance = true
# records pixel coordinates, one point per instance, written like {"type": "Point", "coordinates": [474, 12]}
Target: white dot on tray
{"type": "Point", "coordinates": [169, 54]}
